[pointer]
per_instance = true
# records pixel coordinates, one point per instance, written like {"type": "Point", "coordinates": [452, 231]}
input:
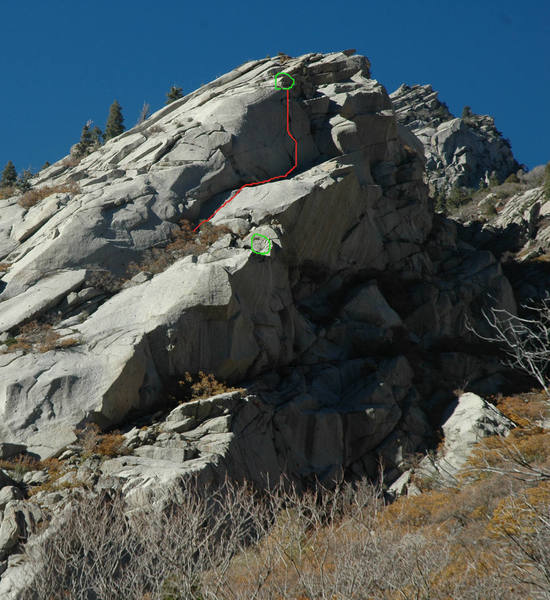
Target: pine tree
{"type": "Point", "coordinates": [115, 125]}
{"type": "Point", "coordinates": [96, 134]}
{"type": "Point", "coordinates": [174, 94]}
{"type": "Point", "coordinates": [9, 175]}
{"type": "Point", "coordinates": [23, 181]}
{"type": "Point", "coordinates": [83, 147]}
{"type": "Point", "coordinates": [466, 112]}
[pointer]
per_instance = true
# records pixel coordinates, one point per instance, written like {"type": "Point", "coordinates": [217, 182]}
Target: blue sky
{"type": "Point", "coordinates": [64, 62]}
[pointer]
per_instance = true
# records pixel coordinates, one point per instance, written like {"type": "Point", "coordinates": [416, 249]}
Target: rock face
{"type": "Point", "coordinates": [459, 151]}
{"type": "Point", "coordinates": [325, 332]}
{"type": "Point", "coordinates": [467, 421]}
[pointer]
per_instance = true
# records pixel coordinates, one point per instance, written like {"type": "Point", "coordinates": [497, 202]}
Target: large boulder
{"type": "Point", "coordinates": [468, 420]}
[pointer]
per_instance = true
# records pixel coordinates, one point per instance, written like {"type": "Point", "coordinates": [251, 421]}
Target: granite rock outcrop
{"type": "Point", "coordinates": [361, 279]}
{"type": "Point", "coordinates": [460, 152]}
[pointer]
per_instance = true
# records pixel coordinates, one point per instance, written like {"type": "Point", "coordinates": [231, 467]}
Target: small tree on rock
{"type": "Point", "coordinates": [174, 94]}
{"type": "Point", "coordinates": [9, 175]}
{"type": "Point", "coordinates": [83, 147]}
{"type": "Point", "coordinates": [466, 112]}
{"type": "Point", "coordinates": [23, 181]}
{"type": "Point", "coordinates": [115, 121]}
{"type": "Point", "coordinates": [144, 114]}
{"type": "Point", "coordinates": [97, 136]}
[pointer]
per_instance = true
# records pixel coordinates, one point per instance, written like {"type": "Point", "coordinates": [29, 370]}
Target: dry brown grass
{"type": "Point", "coordinates": [35, 195]}
{"type": "Point", "coordinates": [524, 409]}
{"type": "Point", "coordinates": [184, 242]}
{"type": "Point", "coordinates": [36, 336]}
{"type": "Point", "coordinates": [8, 191]}
{"type": "Point", "coordinates": [56, 469]}
{"type": "Point", "coordinates": [24, 464]}
{"type": "Point", "coordinates": [4, 266]}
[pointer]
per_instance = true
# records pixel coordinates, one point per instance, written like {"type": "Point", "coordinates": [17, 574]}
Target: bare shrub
{"type": "Point", "coordinates": [522, 526]}
{"type": "Point", "coordinates": [184, 242]}
{"type": "Point", "coordinates": [486, 538]}
{"type": "Point", "coordinates": [526, 341]}
{"type": "Point", "coordinates": [34, 196]}
{"type": "Point", "coordinates": [93, 441]}
{"type": "Point", "coordinates": [105, 281]}
{"type": "Point", "coordinates": [104, 551]}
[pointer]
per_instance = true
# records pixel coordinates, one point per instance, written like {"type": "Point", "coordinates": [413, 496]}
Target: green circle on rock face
{"type": "Point", "coordinates": [279, 86]}
{"type": "Point", "coordinates": [263, 246]}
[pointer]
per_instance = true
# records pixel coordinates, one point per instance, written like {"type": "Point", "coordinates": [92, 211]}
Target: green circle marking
{"type": "Point", "coordinates": [281, 87]}
{"type": "Point", "coordinates": [265, 238]}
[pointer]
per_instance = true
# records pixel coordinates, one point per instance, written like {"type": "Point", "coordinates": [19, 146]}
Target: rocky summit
{"type": "Point", "coordinates": [340, 342]}
{"type": "Point", "coordinates": [460, 152]}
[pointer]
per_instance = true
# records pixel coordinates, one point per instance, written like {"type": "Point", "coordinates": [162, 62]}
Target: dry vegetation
{"type": "Point", "coordinates": [484, 203]}
{"type": "Point", "coordinates": [184, 242]}
{"type": "Point", "coordinates": [93, 441]}
{"type": "Point", "coordinates": [8, 191]}
{"type": "Point", "coordinates": [36, 336]}
{"type": "Point", "coordinates": [25, 463]}
{"type": "Point", "coordinates": [35, 195]}
{"type": "Point", "coordinates": [195, 387]}
{"type": "Point", "coordinates": [487, 538]}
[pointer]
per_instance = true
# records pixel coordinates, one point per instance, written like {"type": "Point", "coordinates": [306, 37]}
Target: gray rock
{"type": "Point", "coordinates": [468, 420]}
{"type": "Point", "coordinates": [9, 532]}
{"type": "Point", "coordinates": [5, 479]}
{"type": "Point", "coordinates": [35, 477]}
{"type": "Point", "coordinates": [185, 424]}
{"type": "Point", "coordinates": [38, 297]}
{"type": "Point", "coordinates": [141, 277]}
{"type": "Point", "coordinates": [368, 304]}
{"type": "Point", "coordinates": [355, 212]}
{"type": "Point", "coordinates": [459, 152]}
{"type": "Point", "coordinates": [8, 450]}
{"type": "Point", "coordinates": [400, 486]}
{"type": "Point", "coordinates": [20, 520]}
{"type": "Point", "coordinates": [9, 493]}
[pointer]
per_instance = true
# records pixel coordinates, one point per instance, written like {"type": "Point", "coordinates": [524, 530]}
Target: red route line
{"type": "Point", "coordinates": [266, 180]}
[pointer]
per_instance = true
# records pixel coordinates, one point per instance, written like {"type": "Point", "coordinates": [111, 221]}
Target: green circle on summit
{"type": "Point", "coordinates": [279, 86]}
